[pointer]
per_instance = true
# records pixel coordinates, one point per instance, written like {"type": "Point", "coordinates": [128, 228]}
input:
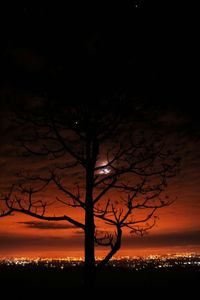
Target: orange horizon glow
{"type": "Point", "coordinates": [79, 255]}
{"type": "Point", "coordinates": [177, 228]}
{"type": "Point", "coordinates": [33, 242]}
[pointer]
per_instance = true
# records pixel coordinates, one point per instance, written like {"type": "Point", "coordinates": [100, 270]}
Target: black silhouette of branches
{"type": "Point", "coordinates": [119, 163]}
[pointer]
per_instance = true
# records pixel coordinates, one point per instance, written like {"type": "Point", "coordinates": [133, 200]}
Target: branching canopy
{"type": "Point", "coordinates": [113, 148]}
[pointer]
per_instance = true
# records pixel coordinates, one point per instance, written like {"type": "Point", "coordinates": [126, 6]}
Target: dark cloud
{"type": "Point", "coordinates": [79, 232]}
{"type": "Point", "coordinates": [174, 239]}
{"type": "Point", "coordinates": [46, 225]}
{"type": "Point", "coordinates": [21, 242]}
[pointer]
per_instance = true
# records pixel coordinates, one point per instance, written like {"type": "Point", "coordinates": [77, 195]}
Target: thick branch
{"type": "Point", "coordinates": [6, 213]}
{"type": "Point", "coordinates": [10, 203]}
{"type": "Point", "coordinates": [48, 218]}
{"type": "Point", "coordinates": [114, 248]}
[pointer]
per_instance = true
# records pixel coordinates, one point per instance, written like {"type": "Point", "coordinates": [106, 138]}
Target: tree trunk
{"type": "Point", "coordinates": [89, 276]}
{"type": "Point", "coordinates": [92, 149]}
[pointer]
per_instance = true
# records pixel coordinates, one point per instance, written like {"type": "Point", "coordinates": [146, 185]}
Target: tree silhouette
{"type": "Point", "coordinates": [117, 159]}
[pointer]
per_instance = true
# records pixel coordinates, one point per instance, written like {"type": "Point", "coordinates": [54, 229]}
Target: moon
{"type": "Point", "coordinates": [105, 171]}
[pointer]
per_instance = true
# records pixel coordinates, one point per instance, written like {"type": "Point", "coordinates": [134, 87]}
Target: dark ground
{"type": "Point", "coordinates": [153, 283]}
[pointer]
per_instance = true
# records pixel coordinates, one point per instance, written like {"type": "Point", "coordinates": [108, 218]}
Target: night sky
{"type": "Point", "coordinates": [71, 53]}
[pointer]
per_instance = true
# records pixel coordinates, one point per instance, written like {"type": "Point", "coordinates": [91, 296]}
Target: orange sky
{"type": "Point", "coordinates": [177, 229]}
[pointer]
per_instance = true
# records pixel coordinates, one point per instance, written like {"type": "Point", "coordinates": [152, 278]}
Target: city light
{"type": "Point", "coordinates": [134, 263]}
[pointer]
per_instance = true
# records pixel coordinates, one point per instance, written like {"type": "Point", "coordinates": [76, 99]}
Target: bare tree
{"type": "Point", "coordinates": [117, 158]}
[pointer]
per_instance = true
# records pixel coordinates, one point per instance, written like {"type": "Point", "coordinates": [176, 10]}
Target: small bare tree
{"type": "Point", "coordinates": [117, 158]}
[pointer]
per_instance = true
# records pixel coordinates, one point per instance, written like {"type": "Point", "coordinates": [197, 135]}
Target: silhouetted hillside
{"type": "Point", "coordinates": [156, 283]}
